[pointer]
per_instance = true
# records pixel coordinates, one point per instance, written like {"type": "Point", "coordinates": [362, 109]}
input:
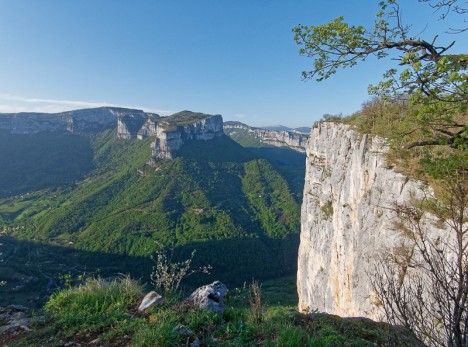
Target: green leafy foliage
{"type": "Point", "coordinates": [269, 196]}
{"type": "Point", "coordinates": [191, 199]}
{"type": "Point", "coordinates": [243, 137]}
{"type": "Point", "coordinates": [185, 118]}
{"type": "Point", "coordinates": [289, 163]}
{"type": "Point", "coordinates": [207, 198]}
{"type": "Point", "coordinates": [432, 81]}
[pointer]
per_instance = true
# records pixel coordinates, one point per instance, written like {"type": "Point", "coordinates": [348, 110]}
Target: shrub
{"type": "Point", "coordinates": [167, 274]}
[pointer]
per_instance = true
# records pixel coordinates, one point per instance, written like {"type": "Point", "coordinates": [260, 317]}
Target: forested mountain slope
{"type": "Point", "coordinates": [102, 194]}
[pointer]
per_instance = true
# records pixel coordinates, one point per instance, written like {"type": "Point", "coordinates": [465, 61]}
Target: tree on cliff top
{"type": "Point", "coordinates": [433, 82]}
{"type": "Point", "coordinates": [427, 73]}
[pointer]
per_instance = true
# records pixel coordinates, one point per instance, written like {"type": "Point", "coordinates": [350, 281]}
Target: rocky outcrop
{"type": "Point", "coordinates": [33, 123]}
{"type": "Point", "coordinates": [127, 121]}
{"type": "Point", "coordinates": [211, 297]}
{"type": "Point", "coordinates": [14, 318]}
{"type": "Point", "coordinates": [151, 299]}
{"type": "Point", "coordinates": [129, 124]}
{"type": "Point", "coordinates": [148, 128]}
{"type": "Point", "coordinates": [347, 219]}
{"type": "Point", "coordinates": [171, 133]}
{"type": "Point", "coordinates": [188, 337]}
{"type": "Point", "coordinates": [277, 138]}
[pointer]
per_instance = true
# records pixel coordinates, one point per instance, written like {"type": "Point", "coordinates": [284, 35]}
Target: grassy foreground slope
{"type": "Point", "coordinates": [104, 313]}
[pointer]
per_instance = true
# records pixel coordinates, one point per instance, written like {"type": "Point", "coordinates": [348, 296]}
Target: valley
{"type": "Point", "coordinates": [168, 179]}
{"type": "Point", "coordinates": [107, 198]}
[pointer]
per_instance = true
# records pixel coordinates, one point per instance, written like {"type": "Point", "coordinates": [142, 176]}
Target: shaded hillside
{"type": "Point", "coordinates": [289, 163]}
{"type": "Point", "coordinates": [38, 161]}
{"type": "Point", "coordinates": [213, 190]}
{"type": "Point", "coordinates": [234, 207]}
{"type": "Point", "coordinates": [286, 160]}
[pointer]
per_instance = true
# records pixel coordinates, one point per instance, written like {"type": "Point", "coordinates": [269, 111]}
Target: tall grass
{"type": "Point", "coordinates": [94, 305]}
{"type": "Point", "coordinates": [106, 310]}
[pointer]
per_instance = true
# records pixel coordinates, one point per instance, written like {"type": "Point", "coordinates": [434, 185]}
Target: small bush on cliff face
{"type": "Point", "coordinates": [327, 209]}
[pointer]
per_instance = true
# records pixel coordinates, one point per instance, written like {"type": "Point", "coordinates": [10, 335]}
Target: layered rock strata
{"type": "Point", "coordinates": [171, 137]}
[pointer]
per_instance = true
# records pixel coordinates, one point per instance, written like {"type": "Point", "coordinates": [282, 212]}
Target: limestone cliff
{"type": "Point", "coordinates": [277, 138]}
{"type": "Point", "coordinates": [169, 133]}
{"type": "Point", "coordinates": [347, 220]}
{"type": "Point", "coordinates": [172, 132]}
{"type": "Point", "coordinates": [94, 119]}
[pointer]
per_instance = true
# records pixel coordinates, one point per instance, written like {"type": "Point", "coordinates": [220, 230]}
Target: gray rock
{"type": "Point", "coordinates": [151, 299]}
{"type": "Point", "coordinates": [170, 138]}
{"type": "Point", "coordinates": [190, 339]}
{"type": "Point", "coordinates": [14, 318]}
{"type": "Point", "coordinates": [169, 135]}
{"type": "Point", "coordinates": [347, 220]}
{"type": "Point", "coordinates": [277, 138]}
{"type": "Point", "coordinates": [211, 297]}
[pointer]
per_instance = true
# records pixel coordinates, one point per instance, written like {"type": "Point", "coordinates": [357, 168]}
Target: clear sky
{"type": "Point", "coordinates": [231, 57]}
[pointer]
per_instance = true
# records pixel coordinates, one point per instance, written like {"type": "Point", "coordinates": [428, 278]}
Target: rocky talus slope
{"type": "Point", "coordinates": [347, 220]}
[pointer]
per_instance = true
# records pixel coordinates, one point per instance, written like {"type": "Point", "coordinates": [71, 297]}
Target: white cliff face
{"type": "Point", "coordinates": [347, 220]}
{"type": "Point", "coordinates": [148, 129]}
{"type": "Point", "coordinates": [170, 138]}
{"type": "Point", "coordinates": [129, 125]}
{"type": "Point", "coordinates": [77, 121]}
{"type": "Point", "coordinates": [122, 130]}
{"type": "Point", "coordinates": [290, 139]}
{"type": "Point", "coordinates": [33, 123]}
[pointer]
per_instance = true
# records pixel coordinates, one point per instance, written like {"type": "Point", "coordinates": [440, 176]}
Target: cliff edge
{"type": "Point", "coordinates": [169, 133]}
{"type": "Point", "coordinates": [347, 220]}
{"type": "Point", "coordinates": [276, 138]}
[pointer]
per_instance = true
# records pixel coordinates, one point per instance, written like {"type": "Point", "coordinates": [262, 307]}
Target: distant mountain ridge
{"type": "Point", "coordinates": [92, 119]}
{"type": "Point", "coordinates": [254, 137]}
{"type": "Point", "coordinates": [279, 127]}
{"type": "Point", "coordinates": [170, 132]}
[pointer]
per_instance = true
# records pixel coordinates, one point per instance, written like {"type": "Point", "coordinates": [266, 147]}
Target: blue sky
{"type": "Point", "coordinates": [231, 57]}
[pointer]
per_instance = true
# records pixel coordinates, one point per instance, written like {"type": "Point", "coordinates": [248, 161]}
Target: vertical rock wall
{"type": "Point", "coordinates": [170, 133]}
{"type": "Point", "coordinates": [171, 138]}
{"type": "Point", "coordinates": [347, 220]}
{"type": "Point", "coordinates": [277, 138]}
